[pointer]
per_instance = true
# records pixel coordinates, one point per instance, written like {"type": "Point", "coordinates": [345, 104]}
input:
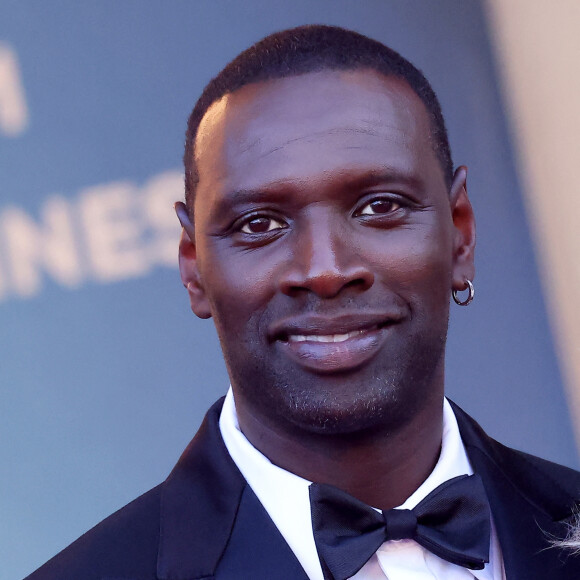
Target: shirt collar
{"type": "Point", "coordinates": [285, 495]}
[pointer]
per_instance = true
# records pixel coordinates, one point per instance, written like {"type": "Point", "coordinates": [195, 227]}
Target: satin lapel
{"type": "Point", "coordinates": [256, 548]}
{"type": "Point", "coordinates": [212, 523]}
{"type": "Point", "coordinates": [199, 502]}
{"type": "Point", "coordinates": [525, 516]}
{"type": "Point", "coordinates": [522, 529]}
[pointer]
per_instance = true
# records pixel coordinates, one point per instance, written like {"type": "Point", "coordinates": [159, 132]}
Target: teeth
{"type": "Point", "coordinates": [324, 337]}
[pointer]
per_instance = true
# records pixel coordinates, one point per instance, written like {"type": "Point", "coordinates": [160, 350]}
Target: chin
{"type": "Point", "coordinates": [337, 409]}
{"type": "Point", "coordinates": [375, 409]}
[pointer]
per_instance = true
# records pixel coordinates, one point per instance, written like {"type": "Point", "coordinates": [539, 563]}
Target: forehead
{"type": "Point", "coordinates": [305, 126]}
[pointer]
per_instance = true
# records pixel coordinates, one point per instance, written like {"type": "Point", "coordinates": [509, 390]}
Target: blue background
{"type": "Point", "coordinates": [102, 386]}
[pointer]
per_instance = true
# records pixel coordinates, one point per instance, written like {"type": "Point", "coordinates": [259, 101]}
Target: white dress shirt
{"type": "Point", "coordinates": [286, 499]}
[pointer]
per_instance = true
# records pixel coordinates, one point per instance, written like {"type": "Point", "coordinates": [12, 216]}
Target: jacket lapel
{"type": "Point", "coordinates": [212, 524]}
{"type": "Point", "coordinates": [528, 505]}
{"type": "Point", "coordinates": [256, 548]}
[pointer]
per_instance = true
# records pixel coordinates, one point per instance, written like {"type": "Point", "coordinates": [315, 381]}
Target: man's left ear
{"type": "Point", "coordinates": [463, 232]}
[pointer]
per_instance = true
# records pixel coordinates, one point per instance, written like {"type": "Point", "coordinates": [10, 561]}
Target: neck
{"type": "Point", "coordinates": [382, 468]}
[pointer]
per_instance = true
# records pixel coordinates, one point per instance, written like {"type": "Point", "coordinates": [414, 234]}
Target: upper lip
{"type": "Point", "coordinates": [314, 324]}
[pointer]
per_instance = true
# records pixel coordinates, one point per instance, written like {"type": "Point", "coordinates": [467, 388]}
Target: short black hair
{"type": "Point", "coordinates": [308, 49]}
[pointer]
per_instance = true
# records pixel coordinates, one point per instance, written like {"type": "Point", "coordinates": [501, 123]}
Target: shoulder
{"type": "Point", "coordinates": [124, 545]}
{"type": "Point", "coordinates": [554, 487]}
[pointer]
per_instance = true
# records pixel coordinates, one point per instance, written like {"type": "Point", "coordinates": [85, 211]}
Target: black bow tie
{"type": "Point", "coordinates": [453, 522]}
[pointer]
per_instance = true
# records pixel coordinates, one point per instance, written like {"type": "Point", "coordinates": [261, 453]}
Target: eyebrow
{"type": "Point", "coordinates": [240, 197]}
{"type": "Point", "coordinates": [281, 189]}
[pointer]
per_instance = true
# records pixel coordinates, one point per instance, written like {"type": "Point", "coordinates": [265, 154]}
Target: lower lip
{"type": "Point", "coordinates": [335, 357]}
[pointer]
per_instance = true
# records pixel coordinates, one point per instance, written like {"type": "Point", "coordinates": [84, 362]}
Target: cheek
{"type": "Point", "coordinates": [414, 263]}
{"type": "Point", "coordinates": [238, 288]}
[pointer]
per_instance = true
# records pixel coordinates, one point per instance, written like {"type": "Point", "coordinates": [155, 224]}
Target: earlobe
{"type": "Point", "coordinates": [188, 265]}
{"type": "Point", "coordinates": [464, 231]}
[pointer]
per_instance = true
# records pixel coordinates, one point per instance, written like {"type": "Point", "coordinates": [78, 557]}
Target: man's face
{"type": "Point", "coordinates": [325, 250]}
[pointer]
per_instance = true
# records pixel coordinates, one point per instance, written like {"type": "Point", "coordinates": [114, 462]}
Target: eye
{"type": "Point", "coordinates": [379, 207]}
{"type": "Point", "coordinates": [261, 225]}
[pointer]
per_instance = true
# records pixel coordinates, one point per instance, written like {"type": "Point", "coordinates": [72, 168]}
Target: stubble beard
{"type": "Point", "coordinates": [363, 401]}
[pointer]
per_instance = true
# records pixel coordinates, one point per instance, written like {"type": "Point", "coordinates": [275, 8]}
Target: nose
{"type": "Point", "coordinates": [324, 259]}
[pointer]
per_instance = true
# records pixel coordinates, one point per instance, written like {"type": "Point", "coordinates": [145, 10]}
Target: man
{"type": "Point", "coordinates": [324, 231]}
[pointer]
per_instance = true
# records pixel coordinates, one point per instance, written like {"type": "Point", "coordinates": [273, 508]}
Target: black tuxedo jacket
{"type": "Point", "coordinates": [204, 521]}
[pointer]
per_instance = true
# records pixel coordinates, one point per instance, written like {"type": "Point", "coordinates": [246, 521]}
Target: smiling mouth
{"type": "Point", "coordinates": [332, 337]}
{"type": "Point", "coordinates": [323, 349]}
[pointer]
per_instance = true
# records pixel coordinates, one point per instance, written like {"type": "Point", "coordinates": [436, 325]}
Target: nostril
{"type": "Point", "coordinates": [363, 282]}
{"type": "Point", "coordinates": [328, 283]}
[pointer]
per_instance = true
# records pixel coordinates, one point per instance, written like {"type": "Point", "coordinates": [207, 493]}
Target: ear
{"type": "Point", "coordinates": [188, 264]}
{"type": "Point", "coordinates": [464, 230]}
